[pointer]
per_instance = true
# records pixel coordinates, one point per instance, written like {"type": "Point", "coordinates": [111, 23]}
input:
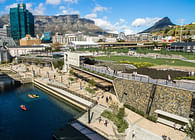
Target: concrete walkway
{"type": "Point", "coordinates": [69, 95]}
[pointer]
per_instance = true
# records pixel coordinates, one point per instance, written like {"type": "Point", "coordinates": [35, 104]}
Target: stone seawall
{"type": "Point", "coordinates": [148, 97]}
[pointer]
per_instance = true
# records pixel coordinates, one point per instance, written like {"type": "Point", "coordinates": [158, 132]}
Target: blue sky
{"type": "Point", "coordinates": [130, 16]}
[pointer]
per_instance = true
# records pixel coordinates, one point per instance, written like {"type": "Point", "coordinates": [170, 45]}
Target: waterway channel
{"type": "Point", "coordinates": [43, 115]}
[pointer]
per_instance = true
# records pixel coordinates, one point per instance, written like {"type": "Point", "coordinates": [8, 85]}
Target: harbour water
{"type": "Point", "coordinates": [43, 115]}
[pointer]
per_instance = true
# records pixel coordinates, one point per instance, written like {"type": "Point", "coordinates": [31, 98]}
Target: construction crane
{"type": "Point", "coordinates": [176, 33]}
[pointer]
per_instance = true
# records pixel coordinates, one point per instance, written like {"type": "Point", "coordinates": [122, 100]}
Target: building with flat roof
{"type": "Point", "coordinates": [21, 21]}
{"type": "Point", "coordinates": [5, 31]}
{"type": "Point", "coordinates": [75, 59]}
{"type": "Point", "coordinates": [30, 41]}
{"type": "Point", "coordinates": [183, 47]}
{"type": "Point", "coordinates": [82, 44]}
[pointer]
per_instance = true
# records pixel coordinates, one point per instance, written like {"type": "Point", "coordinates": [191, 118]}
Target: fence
{"type": "Point", "coordinates": [141, 78]}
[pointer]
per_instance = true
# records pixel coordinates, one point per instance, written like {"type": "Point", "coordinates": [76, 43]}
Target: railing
{"type": "Point", "coordinates": [141, 78]}
{"type": "Point", "coordinates": [73, 92]}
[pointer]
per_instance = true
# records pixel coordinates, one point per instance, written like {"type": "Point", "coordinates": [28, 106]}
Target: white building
{"type": "Point", "coordinates": [5, 31]}
{"type": "Point", "coordinates": [66, 38]}
{"type": "Point", "coordinates": [74, 59]}
{"type": "Point", "coordinates": [23, 50]}
{"type": "Point", "coordinates": [82, 44]}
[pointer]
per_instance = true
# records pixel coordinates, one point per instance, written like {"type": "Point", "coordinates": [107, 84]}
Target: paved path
{"type": "Point", "coordinates": [71, 96]}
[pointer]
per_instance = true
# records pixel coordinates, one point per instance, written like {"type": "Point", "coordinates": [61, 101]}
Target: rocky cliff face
{"type": "Point", "coordinates": [61, 24]}
{"type": "Point", "coordinates": [160, 25]}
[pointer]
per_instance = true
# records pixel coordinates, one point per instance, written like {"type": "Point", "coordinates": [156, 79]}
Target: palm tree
{"type": "Point", "coordinates": [190, 129]}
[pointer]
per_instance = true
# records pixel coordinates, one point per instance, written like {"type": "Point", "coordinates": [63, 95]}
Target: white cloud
{"type": "Point", "coordinates": [39, 10]}
{"type": "Point", "coordinates": [1, 1]}
{"type": "Point", "coordinates": [99, 8]}
{"type": "Point", "coordinates": [71, 1]}
{"type": "Point", "coordinates": [69, 11]}
{"type": "Point", "coordinates": [53, 2]}
{"type": "Point", "coordinates": [128, 31]}
{"type": "Point", "coordinates": [61, 7]}
{"type": "Point", "coordinates": [28, 6]}
{"type": "Point", "coordinates": [112, 28]}
{"type": "Point", "coordinates": [93, 15]}
{"type": "Point", "coordinates": [122, 20]}
{"type": "Point", "coordinates": [144, 21]}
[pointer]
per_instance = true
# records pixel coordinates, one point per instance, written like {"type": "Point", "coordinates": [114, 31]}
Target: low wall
{"type": "Point", "coordinates": [55, 93]}
{"type": "Point", "coordinates": [169, 99]}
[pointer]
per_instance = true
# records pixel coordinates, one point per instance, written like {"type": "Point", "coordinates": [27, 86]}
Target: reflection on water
{"type": "Point", "coordinates": [43, 115]}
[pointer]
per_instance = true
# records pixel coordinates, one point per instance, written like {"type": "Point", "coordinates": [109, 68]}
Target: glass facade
{"type": "Point", "coordinates": [22, 22]}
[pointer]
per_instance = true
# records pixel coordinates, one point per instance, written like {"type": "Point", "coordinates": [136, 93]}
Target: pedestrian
{"type": "Point", "coordinates": [110, 97]}
{"type": "Point", "coordinates": [133, 134]}
{"type": "Point", "coordinates": [102, 96]}
{"type": "Point", "coordinates": [106, 99]}
{"type": "Point", "coordinates": [106, 123]}
{"type": "Point", "coordinates": [174, 125]}
{"type": "Point", "coordinates": [98, 98]}
{"type": "Point", "coordinates": [54, 76]}
{"type": "Point", "coordinates": [169, 138]}
{"type": "Point", "coordinates": [100, 119]}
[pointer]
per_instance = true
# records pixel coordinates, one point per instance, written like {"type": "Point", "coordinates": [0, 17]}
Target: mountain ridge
{"type": "Point", "coordinates": [159, 25]}
{"type": "Point", "coordinates": [61, 24]}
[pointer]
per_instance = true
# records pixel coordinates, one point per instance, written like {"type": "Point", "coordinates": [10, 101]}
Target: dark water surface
{"type": "Point", "coordinates": [43, 115]}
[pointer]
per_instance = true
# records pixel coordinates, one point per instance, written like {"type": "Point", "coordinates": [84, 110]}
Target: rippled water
{"type": "Point", "coordinates": [43, 115]}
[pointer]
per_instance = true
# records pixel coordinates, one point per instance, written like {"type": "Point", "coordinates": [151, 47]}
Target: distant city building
{"type": "Point", "coordinates": [5, 31]}
{"type": "Point", "coordinates": [8, 41]}
{"type": "Point", "coordinates": [21, 21]}
{"type": "Point", "coordinates": [183, 47]}
{"type": "Point", "coordinates": [100, 38]}
{"type": "Point", "coordinates": [121, 36]}
{"type": "Point", "coordinates": [142, 37]}
{"type": "Point", "coordinates": [67, 38]}
{"type": "Point", "coordinates": [30, 41]}
{"type": "Point", "coordinates": [46, 37]}
{"type": "Point", "coordinates": [75, 59]}
{"type": "Point", "coordinates": [4, 54]}
{"type": "Point", "coordinates": [24, 50]}
{"type": "Point", "coordinates": [82, 44]}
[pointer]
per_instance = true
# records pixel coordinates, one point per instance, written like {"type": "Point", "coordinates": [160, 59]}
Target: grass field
{"type": "Point", "coordinates": [158, 61]}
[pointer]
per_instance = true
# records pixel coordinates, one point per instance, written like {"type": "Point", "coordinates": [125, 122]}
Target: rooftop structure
{"type": "Point", "coordinates": [29, 41]}
{"type": "Point", "coordinates": [82, 44]}
{"type": "Point", "coordinates": [75, 59]}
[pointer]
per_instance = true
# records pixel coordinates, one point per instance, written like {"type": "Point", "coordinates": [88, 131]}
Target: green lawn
{"type": "Point", "coordinates": [158, 61]}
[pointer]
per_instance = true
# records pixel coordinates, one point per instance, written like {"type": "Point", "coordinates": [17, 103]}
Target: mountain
{"type": "Point", "coordinates": [159, 25]}
{"type": "Point", "coordinates": [61, 24]}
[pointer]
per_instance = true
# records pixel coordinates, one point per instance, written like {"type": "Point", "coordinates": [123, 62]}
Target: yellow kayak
{"type": "Point", "coordinates": [34, 95]}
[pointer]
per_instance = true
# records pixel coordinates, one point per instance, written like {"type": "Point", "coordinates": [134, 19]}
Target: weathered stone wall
{"type": "Point", "coordinates": [138, 93]}
{"type": "Point", "coordinates": [172, 100]}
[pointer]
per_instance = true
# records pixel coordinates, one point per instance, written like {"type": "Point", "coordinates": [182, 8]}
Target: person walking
{"type": "Point", "coordinates": [133, 134]}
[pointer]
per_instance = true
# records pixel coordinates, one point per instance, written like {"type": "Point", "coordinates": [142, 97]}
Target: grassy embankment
{"type": "Point", "coordinates": [158, 61]}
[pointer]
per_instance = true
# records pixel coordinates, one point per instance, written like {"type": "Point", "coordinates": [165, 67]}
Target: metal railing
{"type": "Point", "coordinates": [141, 78]}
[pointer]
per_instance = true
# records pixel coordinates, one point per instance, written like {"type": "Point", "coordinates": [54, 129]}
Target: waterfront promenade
{"type": "Point", "coordinates": [143, 128]}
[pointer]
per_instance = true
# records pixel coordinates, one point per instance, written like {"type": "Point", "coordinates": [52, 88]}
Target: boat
{"type": "Point", "coordinates": [23, 107]}
{"type": "Point", "coordinates": [35, 95]}
{"type": "Point", "coordinates": [30, 95]}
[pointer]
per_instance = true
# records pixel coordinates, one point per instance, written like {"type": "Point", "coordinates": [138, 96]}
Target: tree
{"type": "Point", "coordinates": [92, 82]}
{"type": "Point", "coordinates": [190, 129]}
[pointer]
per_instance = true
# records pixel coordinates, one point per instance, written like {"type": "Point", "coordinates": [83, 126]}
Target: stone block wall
{"type": "Point", "coordinates": [172, 100]}
{"type": "Point", "coordinates": [138, 93]}
{"type": "Point", "coordinates": [169, 99]}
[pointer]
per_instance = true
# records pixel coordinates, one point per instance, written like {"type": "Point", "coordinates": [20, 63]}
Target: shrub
{"type": "Point", "coordinates": [121, 113]}
{"type": "Point", "coordinates": [92, 91]}
{"type": "Point", "coordinates": [117, 119]}
{"type": "Point", "coordinates": [152, 118]}
{"type": "Point", "coordinates": [71, 79]}
{"type": "Point", "coordinates": [137, 64]}
{"type": "Point", "coordinates": [71, 72]}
